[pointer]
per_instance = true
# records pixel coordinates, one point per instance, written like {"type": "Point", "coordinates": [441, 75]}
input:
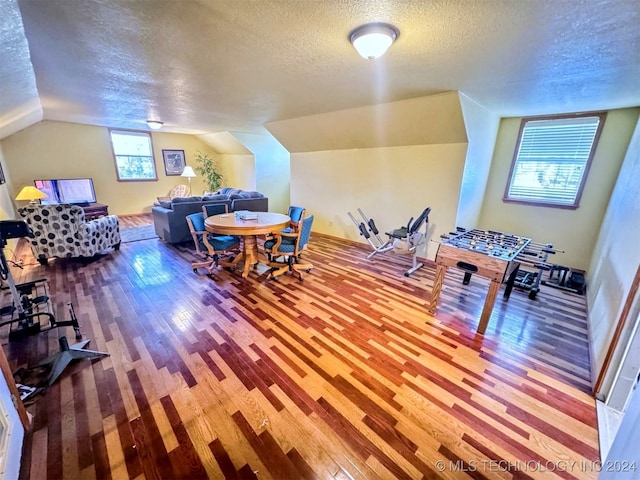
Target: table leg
{"type": "Point", "coordinates": [250, 249]}
{"type": "Point", "coordinates": [437, 288]}
{"type": "Point", "coordinates": [494, 286]}
{"type": "Point", "coordinates": [511, 274]}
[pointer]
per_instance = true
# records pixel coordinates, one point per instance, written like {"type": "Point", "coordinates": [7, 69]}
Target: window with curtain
{"type": "Point", "coordinates": [552, 159]}
{"type": "Point", "coordinates": [133, 155]}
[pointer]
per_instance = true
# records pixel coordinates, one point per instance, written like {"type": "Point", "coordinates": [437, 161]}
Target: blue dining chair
{"type": "Point", "coordinates": [289, 246]}
{"type": "Point", "coordinates": [212, 246]}
{"type": "Point", "coordinates": [296, 214]}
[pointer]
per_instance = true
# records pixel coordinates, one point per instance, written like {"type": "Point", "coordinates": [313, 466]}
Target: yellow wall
{"type": "Point", "coordinates": [391, 160]}
{"type": "Point", "coordinates": [7, 210]}
{"type": "Point", "coordinates": [574, 231]}
{"type": "Point", "coordinates": [390, 185]}
{"type": "Point", "coordinates": [239, 171]}
{"type": "Point", "coordinates": [52, 149]}
{"type": "Point", "coordinates": [272, 168]}
{"type": "Point", "coordinates": [431, 120]}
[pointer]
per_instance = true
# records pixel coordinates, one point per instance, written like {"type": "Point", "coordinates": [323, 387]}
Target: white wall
{"type": "Point", "coordinates": [482, 129]}
{"type": "Point", "coordinates": [615, 258]}
{"type": "Point", "coordinates": [624, 452]}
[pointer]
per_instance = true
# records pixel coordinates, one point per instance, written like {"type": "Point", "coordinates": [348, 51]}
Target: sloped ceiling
{"type": "Point", "coordinates": [204, 66]}
{"type": "Point", "coordinates": [19, 100]}
{"type": "Point", "coordinates": [436, 119]}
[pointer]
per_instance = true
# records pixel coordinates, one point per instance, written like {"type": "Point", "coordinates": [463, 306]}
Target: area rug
{"type": "Point", "coordinates": [133, 234]}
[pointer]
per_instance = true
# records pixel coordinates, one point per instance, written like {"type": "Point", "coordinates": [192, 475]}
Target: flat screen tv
{"type": "Point", "coordinates": [78, 191]}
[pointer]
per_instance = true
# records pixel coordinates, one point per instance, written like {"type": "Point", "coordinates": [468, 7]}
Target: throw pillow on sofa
{"type": "Point", "coordinates": [251, 195]}
{"type": "Point", "coordinates": [186, 199]}
{"type": "Point", "coordinates": [245, 194]}
{"type": "Point", "coordinates": [215, 198]}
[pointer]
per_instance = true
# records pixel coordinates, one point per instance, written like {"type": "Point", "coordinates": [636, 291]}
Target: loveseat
{"type": "Point", "coordinates": [169, 217]}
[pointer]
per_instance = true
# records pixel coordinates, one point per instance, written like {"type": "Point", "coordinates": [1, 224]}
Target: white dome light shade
{"type": "Point", "coordinates": [373, 39]}
{"type": "Point", "coordinates": [154, 124]}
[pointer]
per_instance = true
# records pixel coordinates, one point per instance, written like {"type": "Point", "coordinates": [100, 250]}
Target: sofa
{"type": "Point", "coordinates": [169, 217]}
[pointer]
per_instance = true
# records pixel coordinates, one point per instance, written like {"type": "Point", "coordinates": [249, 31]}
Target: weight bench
{"type": "Point", "coordinates": [406, 240]}
{"type": "Point", "coordinates": [403, 240]}
{"type": "Point", "coordinates": [378, 245]}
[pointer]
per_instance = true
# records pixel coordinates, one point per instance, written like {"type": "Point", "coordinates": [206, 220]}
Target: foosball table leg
{"type": "Point", "coordinates": [494, 287]}
{"type": "Point", "coordinates": [510, 282]}
{"type": "Point", "coordinates": [437, 288]}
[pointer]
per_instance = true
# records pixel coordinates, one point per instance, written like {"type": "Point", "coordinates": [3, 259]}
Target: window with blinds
{"type": "Point", "coordinates": [133, 154]}
{"type": "Point", "coordinates": [552, 159]}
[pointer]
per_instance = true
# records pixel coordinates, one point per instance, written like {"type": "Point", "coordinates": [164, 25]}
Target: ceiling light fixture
{"type": "Point", "coordinates": [154, 124]}
{"type": "Point", "coordinates": [373, 39]}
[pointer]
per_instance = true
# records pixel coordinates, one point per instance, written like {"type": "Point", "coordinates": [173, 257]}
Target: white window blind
{"type": "Point", "coordinates": [134, 155]}
{"type": "Point", "coordinates": [552, 160]}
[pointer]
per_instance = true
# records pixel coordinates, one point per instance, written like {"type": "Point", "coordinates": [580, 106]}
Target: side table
{"type": "Point", "coordinates": [95, 210]}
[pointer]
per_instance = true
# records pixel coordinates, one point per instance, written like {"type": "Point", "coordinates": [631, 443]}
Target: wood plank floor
{"type": "Point", "coordinates": [343, 375]}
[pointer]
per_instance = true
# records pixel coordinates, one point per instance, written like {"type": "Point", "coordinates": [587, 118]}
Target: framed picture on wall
{"type": "Point", "coordinates": [2, 179]}
{"type": "Point", "coordinates": [173, 161]}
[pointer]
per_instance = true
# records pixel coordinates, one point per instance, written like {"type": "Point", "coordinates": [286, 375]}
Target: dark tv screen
{"type": "Point", "coordinates": [67, 190]}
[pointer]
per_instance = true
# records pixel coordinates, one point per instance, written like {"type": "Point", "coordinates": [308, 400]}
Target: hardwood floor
{"type": "Point", "coordinates": [343, 375]}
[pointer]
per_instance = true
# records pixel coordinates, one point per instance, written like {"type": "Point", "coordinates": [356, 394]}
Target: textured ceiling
{"type": "Point", "coordinates": [234, 65]}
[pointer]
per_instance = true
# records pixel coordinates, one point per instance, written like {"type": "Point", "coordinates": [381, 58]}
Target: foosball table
{"type": "Point", "coordinates": [490, 254]}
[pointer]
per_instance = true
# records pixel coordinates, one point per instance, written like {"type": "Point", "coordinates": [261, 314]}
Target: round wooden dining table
{"type": "Point", "coordinates": [248, 231]}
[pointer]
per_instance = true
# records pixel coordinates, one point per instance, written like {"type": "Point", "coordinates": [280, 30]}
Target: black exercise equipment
{"type": "Point", "coordinates": [31, 303]}
{"type": "Point", "coordinates": [565, 278]}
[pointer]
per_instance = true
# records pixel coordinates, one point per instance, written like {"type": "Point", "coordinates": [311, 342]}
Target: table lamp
{"type": "Point", "coordinates": [31, 193]}
{"type": "Point", "coordinates": [189, 173]}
